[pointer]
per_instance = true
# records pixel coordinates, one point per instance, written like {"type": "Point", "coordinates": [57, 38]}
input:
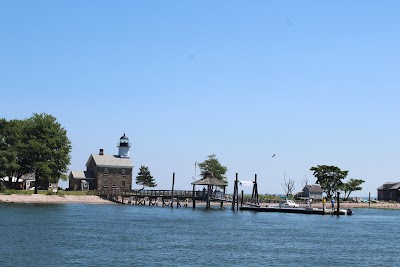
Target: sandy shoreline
{"type": "Point", "coordinates": [56, 199]}
{"type": "Point", "coordinates": [65, 199]}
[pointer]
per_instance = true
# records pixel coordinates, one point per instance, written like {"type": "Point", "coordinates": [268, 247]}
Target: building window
{"type": "Point", "coordinates": [105, 183]}
{"type": "Point", "coordinates": [123, 171]}
{"type": "Point", "coordinates": [114, 183]}
{"type": "Point", "coordinates": [122, 183]}
{"type": "Point", "coordinates": [105, 170]}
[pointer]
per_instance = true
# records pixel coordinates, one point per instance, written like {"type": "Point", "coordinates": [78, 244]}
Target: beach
{"type": "Point", "coordinates": [55, 199]}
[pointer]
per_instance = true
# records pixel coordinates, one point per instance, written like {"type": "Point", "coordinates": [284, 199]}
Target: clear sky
{"type": "Point", "coordinates": [314, 82]}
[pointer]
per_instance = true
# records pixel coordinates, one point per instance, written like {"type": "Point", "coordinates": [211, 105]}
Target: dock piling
{"type": "Point", "coordinates": [235, 194]}
{"type": "Point", "coordinates": [338, 205]}
{"type": "Point", "coordinates": [172, 193]}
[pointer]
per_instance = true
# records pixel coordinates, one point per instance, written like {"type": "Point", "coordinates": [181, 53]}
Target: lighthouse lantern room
{"type": "Point", "coordinates": [123, 147]}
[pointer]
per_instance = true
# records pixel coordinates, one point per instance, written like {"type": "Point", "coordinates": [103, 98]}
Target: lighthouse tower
{"type": "Point", "coordinates": [123, 147]}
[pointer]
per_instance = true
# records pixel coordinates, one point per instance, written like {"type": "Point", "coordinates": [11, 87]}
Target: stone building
{"type": "Point", "coordinates": [105, 171]}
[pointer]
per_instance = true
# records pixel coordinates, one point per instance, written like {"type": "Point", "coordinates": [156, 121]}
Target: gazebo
{"type": "Point", "coordinates": [209, 180]}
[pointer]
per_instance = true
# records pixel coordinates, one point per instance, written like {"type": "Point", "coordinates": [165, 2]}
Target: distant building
{"type": "Point", "coordinates": [311, 191]}
{"type": "Point", "coordinates": [28, 182]}
{"type": "Point", "coordinates": [389, 191]}
{"type": "Point", "coordinates": [105, 171]}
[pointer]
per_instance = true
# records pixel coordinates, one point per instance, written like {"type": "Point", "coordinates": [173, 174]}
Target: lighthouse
{"type": "Point", "coordinates": [123, 147]}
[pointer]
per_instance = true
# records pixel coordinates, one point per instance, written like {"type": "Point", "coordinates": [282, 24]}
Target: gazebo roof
{"type": "Point", "coordinates": [210, 181]}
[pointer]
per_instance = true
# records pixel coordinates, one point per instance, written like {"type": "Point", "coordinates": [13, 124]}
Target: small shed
{"type": "Point", "coordinates": [209, 180]}
{"type": "Point", "coordinates": [312, 191]}
{"type": "Point", "coordinates": [389, 191]}
{"type": "Point", "coordinates": [81, 180]}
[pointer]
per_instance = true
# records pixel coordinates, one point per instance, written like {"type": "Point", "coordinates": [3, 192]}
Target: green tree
{"type": "Point", "coordinates": [11, 151]}
{"type": "Point", "coordinates": [351, 186]}
{"type": "Point", "coordinates": [47, 150]}
{"type": "Point", "coordinates": [211, 164]}
{"type": "Point", "coordinates": [144, 177]}
{"type": "Point", "coordinates": [329, 178]}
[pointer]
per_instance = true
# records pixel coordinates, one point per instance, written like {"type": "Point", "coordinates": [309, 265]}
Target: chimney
{"type": "Point", "coordinates": [101, 152]}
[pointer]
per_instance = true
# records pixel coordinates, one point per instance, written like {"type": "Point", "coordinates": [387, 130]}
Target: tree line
{"type": "Point", "coordinates": [209, 166]}
{"type": "Point", "coordinates": [330, 178]}
{"type": "Point", "coordinates": [38, 145]}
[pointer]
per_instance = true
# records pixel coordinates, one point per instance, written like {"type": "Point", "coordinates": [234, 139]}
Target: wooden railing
{"type": "Point", "coordinates": [154, 193]}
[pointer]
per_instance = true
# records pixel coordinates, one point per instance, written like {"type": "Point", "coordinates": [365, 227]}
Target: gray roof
{"type": "Point", "coordinates": [110, 161]}
{"type": "Point", "coordinates": [389, 186]}
{"type": "Point", "coordinates": [29, 176]}
{"type": "Point", "coordinates": [210, 181]}
{"type": "Point", "coordinates": [316, 188]}
{"type": "Point", "coordinates": [82, 175]}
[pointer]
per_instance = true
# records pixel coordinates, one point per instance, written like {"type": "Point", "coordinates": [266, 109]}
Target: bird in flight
{"type": "Point", "coordinates": [273, 155]}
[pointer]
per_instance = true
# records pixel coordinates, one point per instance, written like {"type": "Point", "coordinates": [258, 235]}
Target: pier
{"type": "Point", "coordinates": [165, 198]}
{"type": "Point", "coordinates": [183, 198]}
{"type": "Point", "coordinates": [169, 197]}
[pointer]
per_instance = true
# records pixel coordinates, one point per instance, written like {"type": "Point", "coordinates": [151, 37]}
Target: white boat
{"type": "Point", "coordinates": [288, 203]}
{"type": "Point", "coordinates": [341, 211]}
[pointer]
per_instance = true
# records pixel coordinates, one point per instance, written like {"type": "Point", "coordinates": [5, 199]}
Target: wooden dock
{"type": "Point", "coordinates": [301, 210]}
{"type": "Point", "coordinates": [184, 197]}
{"type": "Point", "coordinates": [178, 198]}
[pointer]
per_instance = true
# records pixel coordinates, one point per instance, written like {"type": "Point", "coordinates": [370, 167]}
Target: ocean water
{"type": "Point", "coordinates": [125, 235]}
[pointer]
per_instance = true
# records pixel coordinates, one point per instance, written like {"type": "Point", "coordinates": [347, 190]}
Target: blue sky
{"type": "Point", "coordinates": [314, 82]}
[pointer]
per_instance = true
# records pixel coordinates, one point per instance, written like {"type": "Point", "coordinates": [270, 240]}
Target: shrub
{"type": "Point", "coordinates": [10, 191]}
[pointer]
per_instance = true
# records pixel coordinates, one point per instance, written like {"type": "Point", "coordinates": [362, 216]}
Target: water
{"type": "Point", "coordinates": [124, 235]}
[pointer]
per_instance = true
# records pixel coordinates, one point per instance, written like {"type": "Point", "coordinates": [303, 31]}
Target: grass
{"type": "Point", "coordinates": [13, 191]}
